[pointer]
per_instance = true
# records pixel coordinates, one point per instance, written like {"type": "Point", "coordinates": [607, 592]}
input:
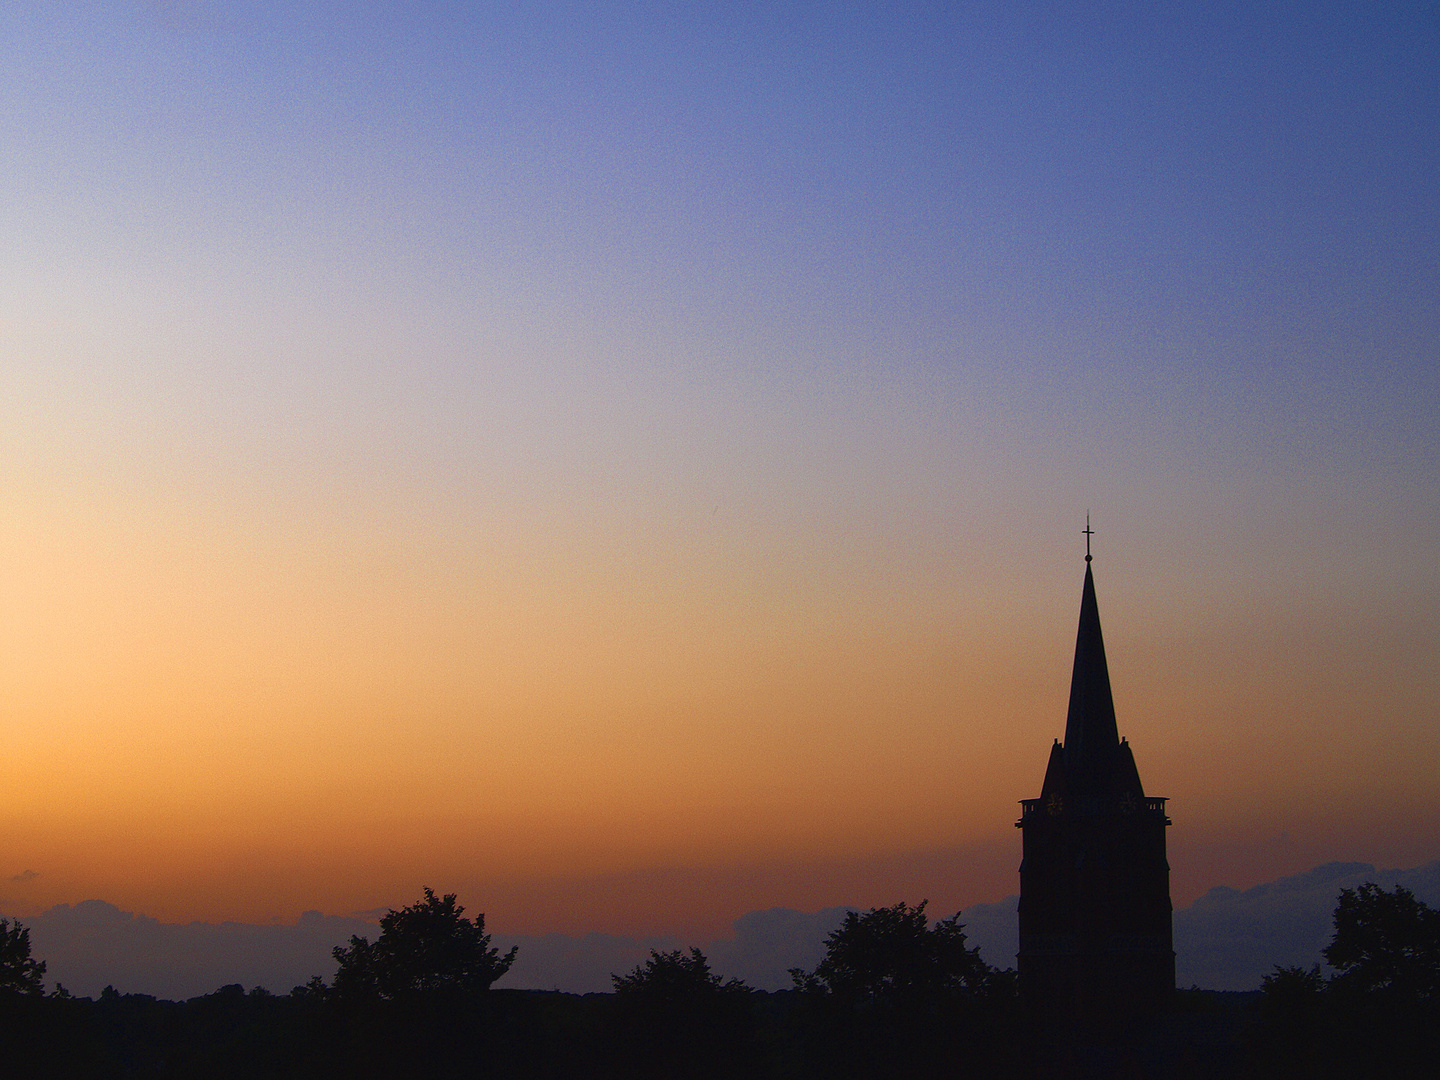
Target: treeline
{"type": "Point", "coordinates": [895, 995]}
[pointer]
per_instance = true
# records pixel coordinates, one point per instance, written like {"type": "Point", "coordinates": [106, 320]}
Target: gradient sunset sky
{"type": "Point", "coordinates": [625, 463]}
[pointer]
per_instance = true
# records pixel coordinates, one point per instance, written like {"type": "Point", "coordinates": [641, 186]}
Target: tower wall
{"type": "Point", "coordinates": [1095, 915]}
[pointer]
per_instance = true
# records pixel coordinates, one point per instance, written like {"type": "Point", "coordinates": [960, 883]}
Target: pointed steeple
{"type": "Point", "coordinates": [1091, 737]}
{"type": "Point", "coordinates": [1097, 948]}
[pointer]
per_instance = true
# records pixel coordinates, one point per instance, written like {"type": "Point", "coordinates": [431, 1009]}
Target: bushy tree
{"type": "Point", "coordinates": [20, 973]}
{"type": "Point", "coordinates": [674, 976]}
{"type": "Point", "coordinates": [898, 996]}
{"type": "Point", "coordinates": [427, 948]}
{"type": "Point", "coordinates": [893, 956]}
{"type": "Point", "coordinates": [678, 1018]}
{"type": "Point", "coordinates": [1286, 985]}
{"type": "Point", "coordinates": [1386, 943]}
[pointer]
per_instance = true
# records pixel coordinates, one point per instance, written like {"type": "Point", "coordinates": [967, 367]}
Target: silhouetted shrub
{"type": "Point", "coordinates": [677, 1018]}
{"type": "Point", "coordinates": [1386, 943]}
{"type": "Point", "coordinates": [20, 973]}
{"type": "Point", "coordinates": [897, 994]}
{"type": "Point", "coordinates": [892, 958]}
{"type": "Point", "coordinates": [427, 948]}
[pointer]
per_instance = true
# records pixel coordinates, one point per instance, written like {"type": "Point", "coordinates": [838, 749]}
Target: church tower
{"type": "Point", "coordinates": [1095, 939]}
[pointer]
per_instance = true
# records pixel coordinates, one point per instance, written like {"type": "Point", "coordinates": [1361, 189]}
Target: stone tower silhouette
{"type": "Point", "coordinates": [1095, 932]}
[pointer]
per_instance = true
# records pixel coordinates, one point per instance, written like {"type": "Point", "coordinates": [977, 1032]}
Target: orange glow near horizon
{"type": "Point", "coordinates": [224, 729]}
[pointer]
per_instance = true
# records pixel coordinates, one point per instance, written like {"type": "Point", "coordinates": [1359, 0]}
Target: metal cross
{"type": "Point", "coordinates": [1089, 532]}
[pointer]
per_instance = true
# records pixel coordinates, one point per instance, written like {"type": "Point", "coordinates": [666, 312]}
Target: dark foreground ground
{"type": "Point", "coordinates": [511, 1033]}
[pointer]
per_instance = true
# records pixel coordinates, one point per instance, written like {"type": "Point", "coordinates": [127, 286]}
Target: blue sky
{"type": "Point", "coordinates": [1211, 224]}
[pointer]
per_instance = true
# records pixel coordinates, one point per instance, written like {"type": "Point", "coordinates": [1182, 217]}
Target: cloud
{"type": "Point", "coordinates": [1227, 940]}
{"type": "Point", "coordinates": [1230, 940]}
{"type": "Point", "coordinates": [995, 930]}
{"type": "Point", "coordinates": [764, 947]}
{"type": "Point", "coordinates": [767, 944]}
{"type": "Point", "coordinates": [94, 944]}
{"type": "Point", "coordinates": [28, 875]}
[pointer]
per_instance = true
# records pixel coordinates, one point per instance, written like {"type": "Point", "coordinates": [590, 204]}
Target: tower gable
{"type": "Point", "coordinates": [1056, 782]}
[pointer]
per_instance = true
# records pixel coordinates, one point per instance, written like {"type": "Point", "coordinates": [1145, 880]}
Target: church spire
{"type": "Point", "coordinates": [1096, 943]}
{"type": "Point", "coordinates": [1090, 732]}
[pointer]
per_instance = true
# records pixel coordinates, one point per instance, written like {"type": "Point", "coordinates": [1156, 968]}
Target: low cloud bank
{"type": "Point", "coordinates": [1227, 940]}
{"type": "Point", "coordinates": [1230, 939]}
{"type": "Point", "coordinates": [94, 944]}
{"type": "Point", "coordinates": [765, 947]}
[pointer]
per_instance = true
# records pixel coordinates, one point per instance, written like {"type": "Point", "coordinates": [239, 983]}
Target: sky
{"type": "Point", "coordinates": [625, 463]}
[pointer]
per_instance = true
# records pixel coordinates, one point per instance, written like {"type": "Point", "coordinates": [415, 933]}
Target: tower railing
{"type": "Point", "coordinates": [1090, 806]}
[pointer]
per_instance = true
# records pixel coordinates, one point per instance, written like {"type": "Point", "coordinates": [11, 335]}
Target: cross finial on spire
{"type": "Point", "coordinates": [1089, 532]}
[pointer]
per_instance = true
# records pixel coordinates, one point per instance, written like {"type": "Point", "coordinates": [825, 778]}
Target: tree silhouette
{"type": "Point", "coordinates": [1386, 943]}
{"type": "Point", "coordinates": [892, 956]}
{"type": "Point", "coordinates": [427, 948]}
{"type": "Point", "coordinates": [673, 976]}
{"type": "Point", "coordinates": [20, 973]}
{"type": "Point", "coordinates": [896, 996]}
{"type": "Point", "coordinates": [677, 1018]}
